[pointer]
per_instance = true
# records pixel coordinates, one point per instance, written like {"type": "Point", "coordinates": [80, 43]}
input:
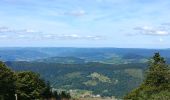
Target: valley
{"type": "Point", "coordinates": [88, 72]}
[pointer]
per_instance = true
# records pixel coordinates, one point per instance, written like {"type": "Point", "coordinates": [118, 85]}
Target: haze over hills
{"type": "Point", "coordinates": [91, 54]}
{"type": "Point", "coordinates": [98, 71]}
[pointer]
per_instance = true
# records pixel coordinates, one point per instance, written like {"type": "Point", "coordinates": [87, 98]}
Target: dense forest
{"type": "Point", "coordinates": [93, 77]}
{"type": "Point", "coordinates": [26, 85]}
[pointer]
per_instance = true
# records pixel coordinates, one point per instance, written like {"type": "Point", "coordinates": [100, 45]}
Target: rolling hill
{"type": "Point", "coordinates": [98, 71]}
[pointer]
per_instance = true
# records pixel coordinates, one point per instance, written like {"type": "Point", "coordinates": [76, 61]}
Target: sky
{"type": "Point", "coordinates": [85, 23]}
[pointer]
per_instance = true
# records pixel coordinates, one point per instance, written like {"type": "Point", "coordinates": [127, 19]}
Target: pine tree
{"type": "Point", "coordinates": [158, 75]}
{"type": "Point", "coordinates": [156, 83]}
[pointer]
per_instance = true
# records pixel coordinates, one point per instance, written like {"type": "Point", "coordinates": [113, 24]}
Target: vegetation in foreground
{"type": "Point", "coordinates": [156, 86]}
{"type": "Point", "coordinates": [26, 85]}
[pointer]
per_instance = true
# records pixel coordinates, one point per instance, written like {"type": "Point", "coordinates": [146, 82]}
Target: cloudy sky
{"type": "Point", "coordinates": [85, 23]}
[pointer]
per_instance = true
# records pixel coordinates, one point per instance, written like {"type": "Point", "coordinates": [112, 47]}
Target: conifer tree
{"type": "Point", "coordinates": [158, 75]}
{"type": "Point", "coordinates": [156, 84]}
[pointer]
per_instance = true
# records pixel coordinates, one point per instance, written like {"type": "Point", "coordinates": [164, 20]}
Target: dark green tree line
{"type": "Point", "coordinates": [27, 85]}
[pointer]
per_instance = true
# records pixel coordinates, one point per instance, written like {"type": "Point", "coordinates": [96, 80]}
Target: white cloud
{"type": "Point", "coordinates": [34, 35]}
{"type": "Point", "coordinates": [154, 31]}
{"type": "Point", "coordinates": [70, 37]}
{"type": "Point", "coordinates": [48, 36]}
{"type": "Point", "coordinates": [94, 37]}
{"type": "Point", "coordinates": [30, 31]}
{"type": "Point", "coordinates": [77, 13]}
{"type": "Point", "coordinates": [10, 30]}
{"type": "Point", "coordinates": [21, 36]}
{"type": "Point", "coordinates": [162, 32]}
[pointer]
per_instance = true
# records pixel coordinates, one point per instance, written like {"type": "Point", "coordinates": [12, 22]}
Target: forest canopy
{"type": "Point", "coordinates": [26, 85]}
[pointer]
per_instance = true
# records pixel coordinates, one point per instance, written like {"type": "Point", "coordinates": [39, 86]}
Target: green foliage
{"type": "Point", "coordinates": [47, 93]}
{"type": "Point", "coordinates": [163, 95]}
{"type": "Point", "coordinates": [156, 86]}
{"type": "Point", "coordinates": [7, 83]}
{"type": "Point", "coordinates": [158, 74]}
{"type": "Point", "coordinates": [26, 84]}
{"type": "Point", "coordinates": [29, 85]}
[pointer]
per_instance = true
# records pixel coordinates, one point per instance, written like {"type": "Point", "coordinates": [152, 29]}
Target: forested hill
{"type": "Point", "coordinates": [85, 70]}
{"type": "Point", "coordinates": [95, 77]}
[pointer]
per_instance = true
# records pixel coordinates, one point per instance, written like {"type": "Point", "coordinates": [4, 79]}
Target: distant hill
{"type": "Point", "coordinates": [103, 79]}
{"type": "Point", "coordinates": [88, 54]}
{"type": "Point", "coordinates": [63, 60]}
{"type": "Point", "coordinates": [20, 55]}
{"type": "Point", "coordinates": [104, 71]}
{"type": "Point", "coordinates": [133, 56]}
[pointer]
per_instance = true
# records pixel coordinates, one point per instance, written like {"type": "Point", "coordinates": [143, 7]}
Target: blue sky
{"type": "Point", "coordinates": [85, 23]}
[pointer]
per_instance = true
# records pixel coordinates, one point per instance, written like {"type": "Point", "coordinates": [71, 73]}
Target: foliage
{"type": "Point", "coordinates": [163, 95]}
{"type": "Point", "coordinates": [47, 93]}
{"type": "Point", "coordinates": [7, 82]}
{"type": "Point", "coordinates": [156, 86]}
{"type": "Point", "coordinates": [29, 85]}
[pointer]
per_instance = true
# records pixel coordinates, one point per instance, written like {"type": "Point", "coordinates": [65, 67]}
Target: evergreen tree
{"type": "Point", "coordinates": [158, 75]}
{"type": "Point", "coordinates": [47, 93]}
{"type": "Point", "coordinates": [29, 85]}
{"type": "Point", "coordinates": [7, 83]}
{"type": "Point", "coordinates": [156, 83]}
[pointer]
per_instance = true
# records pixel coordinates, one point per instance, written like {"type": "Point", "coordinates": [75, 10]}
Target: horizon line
{"type": "Point", "coordinates": [78, 47]}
